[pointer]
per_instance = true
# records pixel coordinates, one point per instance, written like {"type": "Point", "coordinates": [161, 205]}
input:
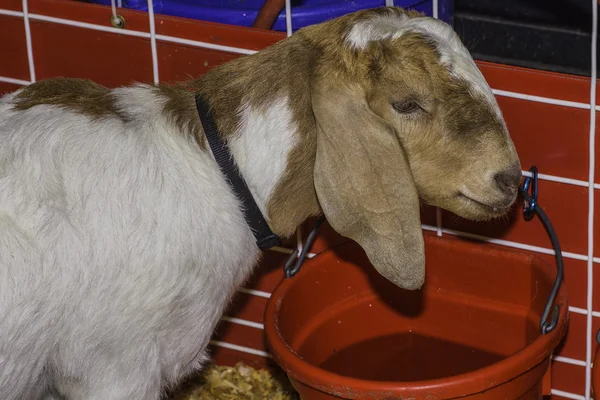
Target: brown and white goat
{"type": "Point", "coordinates": [121, 242]}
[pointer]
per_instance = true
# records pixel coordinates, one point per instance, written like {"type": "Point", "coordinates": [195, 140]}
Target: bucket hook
{"type": "Point", "coordinates": [290, 268]}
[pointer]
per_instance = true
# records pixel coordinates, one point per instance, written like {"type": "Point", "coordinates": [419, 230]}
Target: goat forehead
{"type": "Point", "coordinates": [454, 55]}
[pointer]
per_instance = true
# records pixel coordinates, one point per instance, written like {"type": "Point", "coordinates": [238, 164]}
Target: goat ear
{"type": "Point", "coordinates": [365, 186]}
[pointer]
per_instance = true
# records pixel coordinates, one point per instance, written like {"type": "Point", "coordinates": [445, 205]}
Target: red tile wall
{"type": "Point", "coordinates": [555, 138]}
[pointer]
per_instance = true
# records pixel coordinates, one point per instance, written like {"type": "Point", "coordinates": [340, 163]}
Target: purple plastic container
{"type": "Point", "coordinates": [304, 12]}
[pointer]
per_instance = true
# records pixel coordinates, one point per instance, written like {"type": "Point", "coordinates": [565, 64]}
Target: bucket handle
{"type": "Point", "coordinates": [531, 207]}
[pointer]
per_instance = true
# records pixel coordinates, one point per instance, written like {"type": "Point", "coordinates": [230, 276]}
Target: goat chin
{"type": "Point", "coordinates": [121, 242]}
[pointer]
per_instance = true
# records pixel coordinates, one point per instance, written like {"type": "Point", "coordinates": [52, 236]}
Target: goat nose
{"type": "Point", "coordinates": [508, 180]}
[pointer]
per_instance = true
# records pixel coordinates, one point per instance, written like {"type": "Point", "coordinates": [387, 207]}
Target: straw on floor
{"type": "Point", "coordinates": [240, 382]}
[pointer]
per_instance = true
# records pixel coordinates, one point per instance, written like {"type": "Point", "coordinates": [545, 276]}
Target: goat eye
{"type": "Point", "coordinates": [406, 107]}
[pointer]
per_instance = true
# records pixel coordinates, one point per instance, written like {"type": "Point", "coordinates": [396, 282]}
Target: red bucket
{"type": "Point", "coordinates": [341, 331]}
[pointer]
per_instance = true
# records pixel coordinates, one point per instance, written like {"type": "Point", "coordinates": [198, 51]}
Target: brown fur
{"type": "Point", "coordinates": [80, 95]}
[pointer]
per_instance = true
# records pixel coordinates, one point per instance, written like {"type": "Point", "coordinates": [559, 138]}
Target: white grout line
{"type": "Point", "coordinates": [11, 13]}
{"type": "Point", "coordinates": [559, 179]}
{"type": "Point", "coordinates": [567, 395]}
{"type": "Point", "coordinates": [288, 17]}
{"type": "Point", "coordinates": [438, 221]}
{"type": "Point", "coordinates": [86, 25]}
{"type": "Point", "coordinates": [578, 310]}
{"type": "Point", "coordinates": [515, 245]}
{"type": "Point", "coordinates": [389, 3]}
{"type": "Point", "coordinates": [13, 80]}
{"type": "Point", "coordinates": [244, 322]}
{"type": "Point", "coordinates": [591, 192]}
{"type": "Point", "coordinates": [171, 39]}
{"type": "Point", "coordinates": [242, 349]}
{"type": "Point", "coordinates": [435, 9]}
{"type": "Point", "coordinates": [429, 227]}
{"type": "Point", "coordinates": [153, 41]}
{"type": "Point", "coordinates": [206, 45]}
{"type": "Point", "coordinates": [28, 41]}
{"type": "Point", "coordinates": [567, 360]}
{"type": "Point", "coordinates": [540, 99]}
{"type": "Point", "coordinates": [254, 292]}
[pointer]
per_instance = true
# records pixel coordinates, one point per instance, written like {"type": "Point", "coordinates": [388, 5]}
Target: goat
{"type": "Point", "coordinates": [122, 242]}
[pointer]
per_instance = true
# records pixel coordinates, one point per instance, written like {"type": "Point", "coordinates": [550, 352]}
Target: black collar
{"type": "Point", "coordinates": [265, 238]}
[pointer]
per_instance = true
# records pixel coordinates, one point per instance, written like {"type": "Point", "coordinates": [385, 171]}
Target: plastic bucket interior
{"type": "Point", "coordinates": [341, 331]}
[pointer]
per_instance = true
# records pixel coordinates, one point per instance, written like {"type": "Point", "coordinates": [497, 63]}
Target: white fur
{"type": "Point", "coordinates": [378, 28]}
{"type": "Point", "coordinates": [120, 246]}
{"type": "Point", "coordinates": [261, 147]}
{"type": "Point", "coordinates": [454, 55]}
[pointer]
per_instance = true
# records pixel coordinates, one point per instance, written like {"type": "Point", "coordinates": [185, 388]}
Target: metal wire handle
{"type": "Point", "coordinates": [531, 207]}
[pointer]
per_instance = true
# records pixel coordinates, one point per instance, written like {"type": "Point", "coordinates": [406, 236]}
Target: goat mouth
{"type": "Point", "coordinates": [492, 209]}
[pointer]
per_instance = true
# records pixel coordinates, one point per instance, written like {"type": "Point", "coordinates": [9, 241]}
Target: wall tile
{"type": "Point", "coordinates": [537, 83]}
{"type": "Point", "coordinates": [180, 62]}
{"type": "Point", "coordinates": [573, 345]}
{"type": "Point", "coordinates": [568, 378]}
{"type": "Point", "coordinates": [597, 142]}
{"type": "Point", "coordinates": [13, 48]}
{"type": "Point", "coordinates": [14, 5]}
{"type": "Point", "coordinates": [553, 138]}
{"type": "Point", "coordinates": [106, 58]}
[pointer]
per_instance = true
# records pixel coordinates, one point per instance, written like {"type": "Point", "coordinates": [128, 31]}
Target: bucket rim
{"type": "Point", "coordinates": [466, 383]}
